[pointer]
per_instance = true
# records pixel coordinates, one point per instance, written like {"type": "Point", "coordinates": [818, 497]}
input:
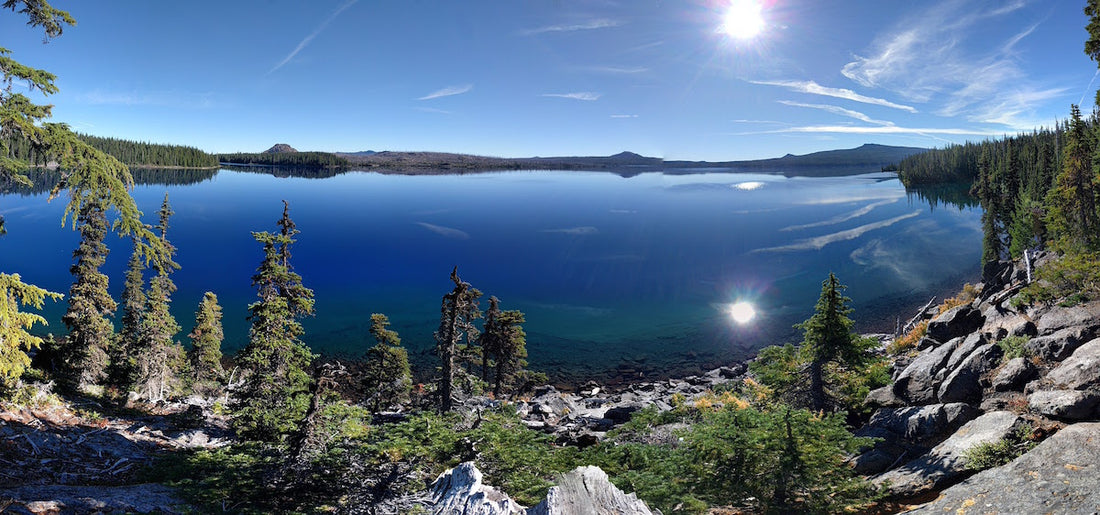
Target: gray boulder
{"type": "Point", "coordinates": [917, 383]}
{"type": "Point", "coordinates": [587, 491]}
{"type": "Point", "coordinates": [925, 424]}
{"type": "Point", "coordinates": [1014, 375]}
{"type": "Point", "coordinates": [947, 461]}
{"type": "Point", "coordinates": [969, 344]}
{"type": "Point", "coordinates": [1083, 315]}
{"type": "Point", "coordinates": [459, 490]}
{"type": "Point", "coordinates": [964, 383]}
{"type": "Point", "coordinates": [1066, 404]}
{"type": "Point", "coordinates": [955, 322]}
{"type": "Point", "coordinates": [621, 413]}
{"type": "Point", "coordinates": [1060, 344]}
{"type": "Point", "coordinates": [1080, 371]}
{"type": "Point", "coordinates": [1060, 475]}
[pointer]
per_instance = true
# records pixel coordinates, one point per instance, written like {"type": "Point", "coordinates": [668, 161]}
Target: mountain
{"type": "Point", "coordinates": [280, 148]}
{"type": "Point", "coordinates": [867, 155]}
{"type": "Point", "coordinates": [360, 153]}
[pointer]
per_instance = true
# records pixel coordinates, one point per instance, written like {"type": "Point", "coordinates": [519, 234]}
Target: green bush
{"type": "Point", "coordinates": [1013, 347]}
{"type": "Point", "coordinates": [994, 454]}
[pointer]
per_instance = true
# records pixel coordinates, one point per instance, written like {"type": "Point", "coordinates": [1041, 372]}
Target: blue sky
{"type": "Point", "coordinates": [559, 77]}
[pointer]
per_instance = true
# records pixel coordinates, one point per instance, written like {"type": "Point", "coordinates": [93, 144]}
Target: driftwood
{"type": "Point", "coordinates": [916, 318]}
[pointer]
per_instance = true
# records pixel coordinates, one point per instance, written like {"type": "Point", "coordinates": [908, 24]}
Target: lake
{"type": "Point", "coordinates": [621, 276]}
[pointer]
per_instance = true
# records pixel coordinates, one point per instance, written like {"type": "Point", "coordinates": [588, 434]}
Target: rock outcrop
{"type": "Point", "coordinates": [1060, 475]}
{"type": "Point", "coordinates": [583, 491]}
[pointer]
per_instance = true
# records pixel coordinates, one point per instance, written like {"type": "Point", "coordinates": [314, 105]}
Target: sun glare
{"type": "Point", "coordinates": [742, 312]}
{"type": "Point", "coordinates": [743, 19]}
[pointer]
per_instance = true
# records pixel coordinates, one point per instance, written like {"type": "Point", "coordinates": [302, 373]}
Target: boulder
{"type": "Point", "coordinates": [955, 322]}
{"type": "Point", "coordinates": [947, 461]}
{"type": "Point", "coordinates": [459, 490]}
{"type": "Point", "coordinates": [964, 383]}
{"type": "Point", "coordinates": [1082, 315]}
{"type": "Point", "coordinates": [1014, 375]}
{"type": "Point", "coordinates": [1080, 371]}
{"type": "Point", "coordinates": [1060, 475]}
{"type": "Point", "coordinates": [620, 414]}
{"type": "Point", "coordinates": [917, 384]}
{"type": "Point", "coordinates": [587, 491]}
{"type": "Point", "coordinates": [1066, 404]}
{"type": "Point", "coordinates": [924, 424]}
{"type": "Point", "coordinates": [883, 398]}
{"type": "Point", "coordinates": [969, 343]}
{"type": "Point", "coordinates": [1059, 344]}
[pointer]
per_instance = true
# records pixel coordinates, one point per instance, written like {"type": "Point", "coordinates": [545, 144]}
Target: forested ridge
{"type": "Point", "coordinates": [137, 154]}
{"type": "Point", "coordinates": [288, 159]}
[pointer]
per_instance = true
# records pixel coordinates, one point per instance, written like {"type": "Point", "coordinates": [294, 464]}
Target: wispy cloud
{"type": "Point", "coordinates": [927, 58]}
{"type": "Point", "coordinates": [812, 88]}
{"type": "Point", "coordinates": [624, 116]}
{"type": "Point", "coordinates": [448, 91]}
{"type": "Point", "coordinates": [320, 28]}
{"type": "Point", "coordinates": [881, 129]}
{"type": "Point", "coordinates": [623, 70]}
{"type": "Point", "coordinates": [837, 110]}
{"type": "Point", "coordinates": [820, 242]}
{"type": "Point", "coordinates": [178, 99]}
{"type": "Point", "coordinates": [579, 95]}
{"type": "Point", "coordinates": [601, 23]}
{"type": "Point", "coordinates": [432, 110]}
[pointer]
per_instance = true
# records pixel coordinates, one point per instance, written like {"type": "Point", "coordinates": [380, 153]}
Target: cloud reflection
{"type": "Point", "coordinates": [820, 242]}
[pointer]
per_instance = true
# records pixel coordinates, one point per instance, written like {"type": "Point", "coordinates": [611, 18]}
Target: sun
{"type": "Point", "coordinates": [742, 312]}
{"type": "Point", "coordinates": [743, 19]}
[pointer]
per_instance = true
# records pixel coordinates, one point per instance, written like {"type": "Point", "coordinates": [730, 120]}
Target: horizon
{"type": "Point", "coordinates": [680, 82]}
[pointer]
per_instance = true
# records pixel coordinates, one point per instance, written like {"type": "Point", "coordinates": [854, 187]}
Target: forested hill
{"type": "Point", "coordinates": [1035, 154]}
{"type": "Point", "coordinates": [865, 155]}
{"type": "Point", "coordinates": [138, 154]}
{"type": "Point", "coordinates": [285, 158]}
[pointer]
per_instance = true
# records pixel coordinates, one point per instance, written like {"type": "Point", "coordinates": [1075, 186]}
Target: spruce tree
{"type": "Point", "coordinates": [85, 349]}
{"type": "Point", "coordinates": [828, 338]}
{"type": "Point", "coordinates": [158, 358]}
{"type": "Point", "coordinates": [121, 371]}
{"type": "Point", "coordinates": [505, 340]}
{"type": "Point", "coordinates": [275, 393]}
{"type": "Point", "coordinates": [387, 379]}
{"type": "Point", "coordinates": [1071, 215]}
{"type": "Point", "coordinates": [205, 355]}
{"type": "Point", "coordinates": [456, 323]}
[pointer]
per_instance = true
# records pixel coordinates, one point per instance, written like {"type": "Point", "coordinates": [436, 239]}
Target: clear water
{"type": "Point", "coordinates": [616, 275]}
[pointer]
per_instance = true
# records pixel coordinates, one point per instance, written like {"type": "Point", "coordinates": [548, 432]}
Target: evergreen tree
{"type": "Point", "coordinates": [387, 379]}
{"type": "Point", "coordinates": [90, 175]}
{"type": "Point", "coordinates": [84, 350]}
{"type": "Point", "coordinates": [1092, 44]}
{"type": "Point", "coordinates": [205, 355]}
{"type": "Point", "coordinates": [505, 340]}
{"type": "Point", "coordinates": [158, 358]}
{"type": "Point", "coordinates": [1071, 215]}
{"type": "Point", "coordinates": [121, 372]}
{"type": "Point", "coordinates": [274, 396]}
{"type": "Point", "coordinates": [456, 323]}
{"type": "Point", "coordinates": [828, 338]}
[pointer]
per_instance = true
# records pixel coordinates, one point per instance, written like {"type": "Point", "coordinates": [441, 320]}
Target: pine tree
{"type": "Point", "coordinates": [158, 358]}
{"type": "Point", "coordinates": [84, 350]}
{"type": "Point", "coordinates": [387, 379]}
{"type": "Point", "coordinates": [456, 322]}
{"type": "Point", "coordinates": [205, 355]}
{"type": "Point", "coordinates": [828, 338]}
{"type": "Point", "coordinates": [275, 393]}
{"type": "Point", "coordinates": [14, 338]}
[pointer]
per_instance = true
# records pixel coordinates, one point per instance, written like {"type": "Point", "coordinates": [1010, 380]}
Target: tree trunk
{"type": "Point", "coordinates": [817, 386]}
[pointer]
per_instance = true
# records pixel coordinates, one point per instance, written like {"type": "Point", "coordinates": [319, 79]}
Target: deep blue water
{"type": "Point", "coordinates": [613, 273]}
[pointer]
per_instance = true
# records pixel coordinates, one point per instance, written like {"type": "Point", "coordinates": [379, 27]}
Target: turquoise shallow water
{"type": "Point", "coordinates": [627, 275]}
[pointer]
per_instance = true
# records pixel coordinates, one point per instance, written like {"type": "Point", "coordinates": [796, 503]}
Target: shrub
{"type": "Point", "coordinates": [1013, 347]}
{"type": "Point", "coordinates": [994, 454]}
{"type": "Point", "coordinates": [908, 340]}
{"type": "Point", "coordinates": [966, 296]}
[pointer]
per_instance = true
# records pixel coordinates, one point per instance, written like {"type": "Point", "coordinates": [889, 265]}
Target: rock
{"type": "Point", "coordinates": [1014, 375]}
{"type": "Point", "coordinates": [1060, 475]}
{"type": "Point", "coordinates": [969, 343]}
{"type": "Point", "coordinates": [587, 491]}
{"type": "Point", "coordinates": [883, 398]}
{"type": "Point", "coordinates": [1080, 371]}
{"type": "Point", "coordinates": [1082, 315]}
{"type": "Point", "coordinates": [459, 490]}
{"type": "Point", "coordinates": [143, 498]}
{"type": "Point", "coordinates": [1059, 344]}
{"type": "Point", "coordinates": [917, 383]}
{"type": "Point", "coordinates": [1067, 404]}
{"type": "Point", "coordinates": [924, 425]}
{"type": "Point", "coordinates": [621, 413]}
{"type": "Point", "coordinates": [947, 461]}
{"type": "Point", "coordinates": [964, 383]}
{"type": "Point", "coordinates": [955, 322]}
